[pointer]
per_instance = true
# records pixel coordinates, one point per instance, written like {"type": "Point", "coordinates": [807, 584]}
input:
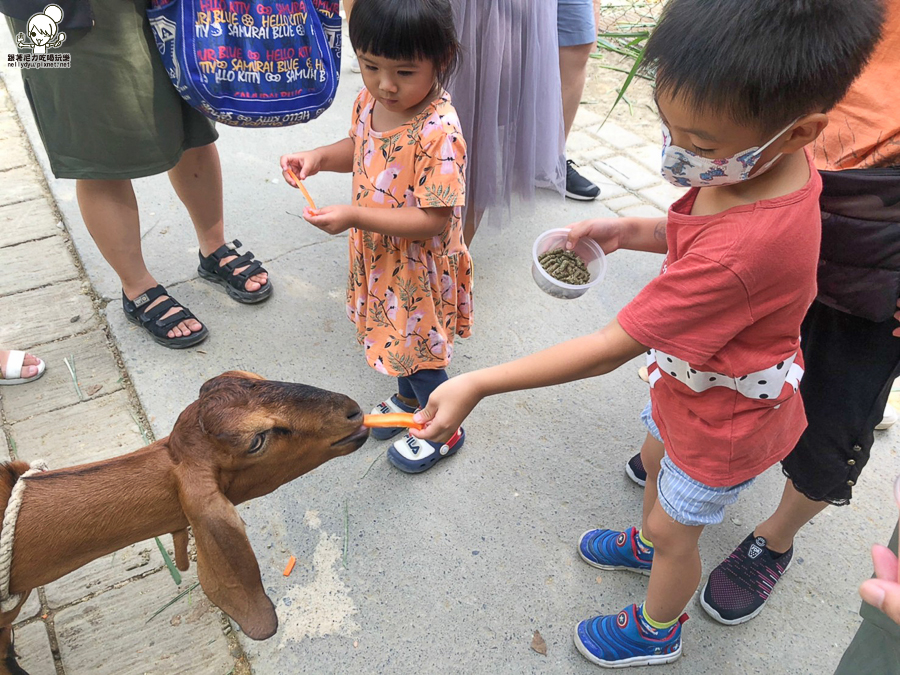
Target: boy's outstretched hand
{"type": "Point", "coordinates": [447, 407]}
{"type": "Point", "coordinates": [332, 219]}
{"type": "Point", "coordinates": [883, 592]}
{"type": "Point", "coordinates": [303, 164]}
{"type": "Point", "coordinates": [605, 231]}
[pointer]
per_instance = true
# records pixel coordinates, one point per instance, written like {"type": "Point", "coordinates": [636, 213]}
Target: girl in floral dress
{"type": "Point", "coordinates": [410, 281]}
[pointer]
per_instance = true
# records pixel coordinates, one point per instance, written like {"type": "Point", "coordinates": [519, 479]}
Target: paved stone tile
{"type": "Point", "coordinates": [108, 635]}
{"type": "Point", "coordinates": [622, 202]}
{"type": "Point", "coordinates": [4, 447]}
{"type": "Point", "coordinates": [33, 647]}
{"type": "Point", "coordinates": [87, 432]}
{"type": "Point", "coordinates": [94, 365]}
{"type": "Point", "coordinates": [627, 172]}
{"type": "Point", "coordinates": [20, 185]}
{"type": "Point", "coordinates": [12, 154]}
{"type": "Point", "coordinates": [9, 127]}
{"type": "Point", "coordinates": [31, 607]}
{"type": "Point", "coordinates": [598, 152]}
{"type": "Point", "coordinates": [6, 102]}
{"type": "Point", "coordinates": [608, 188]}
{"type": "Point", "coordinates": [34, 264]}
{"type": "Point", "coordinates": [101, 574]}
{"type": "Point", "coordinates": [584, 119]}
{"type": "Point", "coordinates": [26, 221]}
{"type": "Point", "coordinates": [663, 195]}
{"type": "Point", "coordinates": [579, 142]}
{"type": "Point", "coordinates": [45, 315]}
{"type": "Point", "coordinates": [614, 135]}
{"type": "Point", "coordinates": [642, 211]}
{"type": "Point", "coordinates": [647, 155]}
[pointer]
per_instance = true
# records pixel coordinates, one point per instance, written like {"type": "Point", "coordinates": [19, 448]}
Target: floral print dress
{"type": "Point", "coordinates": [409, 298]}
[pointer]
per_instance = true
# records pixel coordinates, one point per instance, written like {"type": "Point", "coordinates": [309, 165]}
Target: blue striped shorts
{"type": "Point", "coordinates": [686, 500]}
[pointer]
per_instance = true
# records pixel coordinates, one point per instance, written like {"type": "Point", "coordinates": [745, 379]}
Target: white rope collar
{"type": "Point", "coordinates": [8, 532]}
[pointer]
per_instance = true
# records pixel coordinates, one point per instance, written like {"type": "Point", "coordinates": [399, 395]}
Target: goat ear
{"type": "Point", "coordinates": [226, 563]}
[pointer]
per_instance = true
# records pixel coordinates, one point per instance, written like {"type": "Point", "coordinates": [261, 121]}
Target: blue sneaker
{"type": "Point", "coordinates": [414, 455]}
{"type": "Point", "coordinates": [622, 640]}
{"type": "Point", "coordinates": [392, 405]}
{"type": "Point", "coordinates": [611, 550]}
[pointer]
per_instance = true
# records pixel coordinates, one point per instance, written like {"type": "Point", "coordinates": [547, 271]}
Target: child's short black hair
{"type": "Point", "coordinates": [762, 62]}
{"type": "Point", "coordinates": [407, 30]}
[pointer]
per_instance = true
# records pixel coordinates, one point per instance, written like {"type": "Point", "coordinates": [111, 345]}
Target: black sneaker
{"type": "Point", "coordinates": [635, 470]}
{"type": "Point", "coordinates": [577, 186]}
{"type": "Point", "coordinates": [737, 590]}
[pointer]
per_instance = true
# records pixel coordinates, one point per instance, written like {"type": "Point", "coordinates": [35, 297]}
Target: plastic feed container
{"type": "Point", "coordinates": [589, 251]}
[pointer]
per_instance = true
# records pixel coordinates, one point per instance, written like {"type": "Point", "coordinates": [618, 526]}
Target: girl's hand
{"type": "Point", "coordinates": [332, 219]}
{"type": "Point", "coordinates": [605, 231]}
{"type": "Point", "coordinates": [303, 164]}
{"type": "Point", "coordinates": [447, 407]}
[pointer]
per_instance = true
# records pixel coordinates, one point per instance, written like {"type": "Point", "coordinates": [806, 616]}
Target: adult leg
{"type": "Point", "coordinates": [29, 365]}
{"type": "Point", "coordinates": [197, 179]}
{"type": "Point", "coordinates": [794, 511]}
{"type": "Point", "coordinates": [573, 62]}
{"type": "Point", "coordinates": [850, 365]}
{"type": "Point", "coordinates": [577, 39]}
{"type": "Point", "coordinates": [110, 212]}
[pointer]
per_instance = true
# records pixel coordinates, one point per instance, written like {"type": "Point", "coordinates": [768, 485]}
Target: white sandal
{"type": "Point", "coordinates": [13, 374]}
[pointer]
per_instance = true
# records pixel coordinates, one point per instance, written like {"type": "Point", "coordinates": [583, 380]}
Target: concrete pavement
{"type": "Point", "coordinates": [450, 571]}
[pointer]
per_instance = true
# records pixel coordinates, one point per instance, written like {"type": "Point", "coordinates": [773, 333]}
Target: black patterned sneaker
{"type": "Point", "coordinates": [737, 590]}
{"type": "Point", "coordinates": [635, 470]}
{"type": "Point", "coordinates": [577, 186]}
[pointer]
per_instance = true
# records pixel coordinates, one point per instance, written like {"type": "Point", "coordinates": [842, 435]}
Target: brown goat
{"type": "Point", "coordinates": [242, 438]}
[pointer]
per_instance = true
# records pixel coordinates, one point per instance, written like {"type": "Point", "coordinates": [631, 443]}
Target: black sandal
{"type": "Point", "coordinates": [224, 275]}
{"type": "Point", "coordinates": [158, 327]}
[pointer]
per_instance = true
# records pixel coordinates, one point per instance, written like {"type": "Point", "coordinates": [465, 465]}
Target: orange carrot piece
{"type": "Point", "coordinates": [290, 566]}
{"type": "Point", "coordinates": [391, 420]}
{"type": "Point", "coordinates": [303, 189]}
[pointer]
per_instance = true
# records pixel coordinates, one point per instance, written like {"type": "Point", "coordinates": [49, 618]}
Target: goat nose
{"type": "Point", "coordinates": [354, 413]}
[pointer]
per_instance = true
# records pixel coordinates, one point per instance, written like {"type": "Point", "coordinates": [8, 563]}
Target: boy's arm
{"type": "Point", "coordinates": [636, 234]}
{"type": "Point", "coordinates": [646, 234]}
{"type": "Point", "coordinates": [583, 357]}
{"type": "Point", "coordinates": [408, 222]}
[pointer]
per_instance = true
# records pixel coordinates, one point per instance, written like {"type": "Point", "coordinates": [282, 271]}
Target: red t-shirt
{"type": "Point", "coordinates": [723, 324]}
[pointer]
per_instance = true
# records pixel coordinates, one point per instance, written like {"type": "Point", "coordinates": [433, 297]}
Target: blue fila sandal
{"type": "Point", "coordinates": [392, 405]}
{"type": "Point", "coordinates": [415, 455]}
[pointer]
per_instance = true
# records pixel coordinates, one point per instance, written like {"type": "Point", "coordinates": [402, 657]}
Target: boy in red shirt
{"type": "Point", "coordinates": [742, 88]}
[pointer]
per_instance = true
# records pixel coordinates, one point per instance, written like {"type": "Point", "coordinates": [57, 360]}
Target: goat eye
{"type": "Point", "coordinates": [258, 442]}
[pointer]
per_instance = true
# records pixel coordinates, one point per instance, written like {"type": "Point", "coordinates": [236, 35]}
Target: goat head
{"type": "Point", "coordinates": [245, 437]}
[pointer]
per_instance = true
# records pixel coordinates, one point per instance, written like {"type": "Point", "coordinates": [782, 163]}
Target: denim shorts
{"type": "Point", "coordinates": [689, 501]}
{"type": "Point", "coordinates": [575, 23]}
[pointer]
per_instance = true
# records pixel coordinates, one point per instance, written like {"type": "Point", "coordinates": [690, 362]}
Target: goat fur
{"type": "Point", "coordinates": [195, 477]}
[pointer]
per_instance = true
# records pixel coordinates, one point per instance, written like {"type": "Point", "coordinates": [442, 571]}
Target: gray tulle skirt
{"type": "Point", "coordinates": [507, 94]}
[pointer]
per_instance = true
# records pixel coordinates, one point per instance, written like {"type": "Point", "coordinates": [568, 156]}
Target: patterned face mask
{"type": "Point", "coordinates": [687, 169]}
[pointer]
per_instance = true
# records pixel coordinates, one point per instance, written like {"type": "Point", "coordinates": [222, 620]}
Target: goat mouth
{"type": "Point", "coordinates": [357, 438]}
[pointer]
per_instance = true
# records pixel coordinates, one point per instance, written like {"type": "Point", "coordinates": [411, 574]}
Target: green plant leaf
{"type": "Point", "coordinates": [176, 575]}
{"type": "Point", "coordinates": [172, 601]}
{"type": "Point", "coordinates": [628, 79]}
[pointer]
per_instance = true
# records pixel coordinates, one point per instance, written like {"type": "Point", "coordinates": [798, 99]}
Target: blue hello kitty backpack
{"type": "Point", "coordinates": [251, 63]}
